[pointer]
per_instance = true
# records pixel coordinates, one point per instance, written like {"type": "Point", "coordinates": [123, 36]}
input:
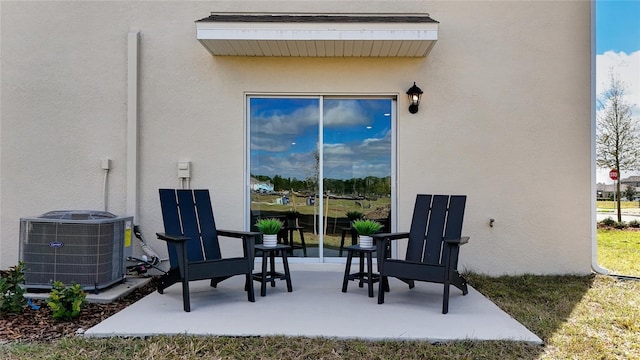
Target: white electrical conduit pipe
{"type": "Point", "coordinates": [104, 189]}
{"type": "Point", "coordinates": [133, 52]}
{"type": "Point", "coordinates": [132, 123]}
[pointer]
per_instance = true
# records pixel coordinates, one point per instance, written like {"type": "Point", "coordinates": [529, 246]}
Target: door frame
{"type": "Point", "coordinates": [393, 97]}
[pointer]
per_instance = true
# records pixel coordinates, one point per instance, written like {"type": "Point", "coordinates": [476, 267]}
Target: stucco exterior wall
{"type": "Point", "coordinates": [505, 117]}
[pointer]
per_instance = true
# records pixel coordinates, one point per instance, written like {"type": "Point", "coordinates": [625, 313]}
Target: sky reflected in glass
{"type": "Point", "coordinates": [285, 136]}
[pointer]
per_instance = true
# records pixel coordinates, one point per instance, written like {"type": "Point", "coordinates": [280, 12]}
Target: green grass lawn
{"type": "Point", "coordinates": [333, 207]}
{"type": "Point", "coordinates": [578, 317]}
{"type": "Point", "coordinates": [604, 205]}
{"type": "Point", "coordinates": [619, 251]}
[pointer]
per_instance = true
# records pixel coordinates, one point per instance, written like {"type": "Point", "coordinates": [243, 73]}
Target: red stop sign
{"type": "Point", "coordinates": [613, 174]}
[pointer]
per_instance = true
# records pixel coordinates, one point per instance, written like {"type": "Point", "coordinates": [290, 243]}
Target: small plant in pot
{"type": "Point", "coordinates": [365, 229]}
{"type": "Point", "coordinates": [269, 228]}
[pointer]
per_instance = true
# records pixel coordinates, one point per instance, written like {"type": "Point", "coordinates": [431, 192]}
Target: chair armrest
{"type": "Point", "coordinates": [390, 236]}
{"type": "Point", "coordinates": [383, 245]}
{"type": "Point", "coordinates": [237, 234]}
{"type": "Point", "coordinates": [459, 241]}
{"type": "Point", "coordinates": [172, 238]}
{"type": "Point", "coordinates": [248, 241]}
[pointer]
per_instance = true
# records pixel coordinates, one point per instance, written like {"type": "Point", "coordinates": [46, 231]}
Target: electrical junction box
{"type": "Point", "coordinates": [184, 169]}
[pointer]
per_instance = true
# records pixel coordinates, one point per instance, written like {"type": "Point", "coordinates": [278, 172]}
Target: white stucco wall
{"type": "Point", "coordinates": [505, 117]}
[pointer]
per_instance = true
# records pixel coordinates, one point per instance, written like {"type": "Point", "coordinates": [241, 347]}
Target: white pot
{"type": "Point", "coordinates": [270, 240]}
{"type": "Point", "coordinates": [365, 241]}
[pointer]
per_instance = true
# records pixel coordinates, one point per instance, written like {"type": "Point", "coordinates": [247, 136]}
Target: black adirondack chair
{"type": "Point", "coordinates": [192, 241]}
{"type": "Point", "coordinates": [433, 248]}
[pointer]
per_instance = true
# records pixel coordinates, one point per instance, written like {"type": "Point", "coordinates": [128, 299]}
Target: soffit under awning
{"type": "Point", "coordinates": [304, 35]}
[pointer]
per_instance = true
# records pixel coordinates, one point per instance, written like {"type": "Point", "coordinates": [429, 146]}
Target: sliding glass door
{"type": "Point", "coordinates": [313, 161]}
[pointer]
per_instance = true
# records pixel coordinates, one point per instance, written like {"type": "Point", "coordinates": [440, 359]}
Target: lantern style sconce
{"type": "Point", "coordinates": [414, 93]}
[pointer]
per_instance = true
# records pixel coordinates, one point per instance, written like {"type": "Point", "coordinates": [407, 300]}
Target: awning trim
{"type": "Point", "coordinates": [304, 34]}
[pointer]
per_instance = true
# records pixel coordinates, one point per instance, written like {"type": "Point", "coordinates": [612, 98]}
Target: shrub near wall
{"type": "Point", "coordinates": [609, 223]}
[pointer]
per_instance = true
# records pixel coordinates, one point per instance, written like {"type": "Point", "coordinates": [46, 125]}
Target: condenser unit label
{"type": "Point", "coordinates": [56, 244]}
{"type": "Point", "coordinates": [127, 234]}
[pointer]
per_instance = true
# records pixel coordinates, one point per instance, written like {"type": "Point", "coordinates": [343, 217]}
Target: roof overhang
{"type": "Point", "coordinates": [296, 35]}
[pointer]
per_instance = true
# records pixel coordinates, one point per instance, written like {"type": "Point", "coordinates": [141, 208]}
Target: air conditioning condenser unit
{"type": "Point", "coordinates": [84, 247]}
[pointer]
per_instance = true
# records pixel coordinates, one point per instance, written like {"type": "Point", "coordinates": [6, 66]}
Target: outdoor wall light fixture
{"type": "Point", "coordinates": [414, 93]}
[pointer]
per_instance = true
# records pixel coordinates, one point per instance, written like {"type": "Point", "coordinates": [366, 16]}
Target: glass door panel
{"type": "Point", "coordinates": [283, 166]}
{"type": "Point", "coordinates": [356, 167]}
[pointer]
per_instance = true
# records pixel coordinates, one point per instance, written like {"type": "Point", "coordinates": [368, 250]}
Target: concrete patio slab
{"type": "Point", "coordinates": [317, 308]}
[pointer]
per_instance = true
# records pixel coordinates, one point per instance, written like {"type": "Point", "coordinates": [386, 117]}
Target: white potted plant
{"type": "Point", "coordinates": [366, 228]}
{"type": "Point", "coordinates": [269, 229]}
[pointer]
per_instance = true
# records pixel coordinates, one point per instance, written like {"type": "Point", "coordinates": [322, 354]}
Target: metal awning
{"type": "Point", "coordinates": [304, 35]}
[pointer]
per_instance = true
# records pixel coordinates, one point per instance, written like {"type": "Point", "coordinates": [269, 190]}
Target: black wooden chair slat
{"type": "Point", "coordinates": [208, 231]}
{"type": "Point", "coordinates": [418, 228]}
{"type": "Point", "coordinates": [192, 241]}
{"type": "Point", "coordinates": [435, 229]}
{"type": "Point", "coordinates": [454, 225]}
{"type": "Point", "coordinates": [190, 228]}
{"type": "Point", "coordinates": [432, 249]}
{"type": "Point", "coordinates": [171, 220]}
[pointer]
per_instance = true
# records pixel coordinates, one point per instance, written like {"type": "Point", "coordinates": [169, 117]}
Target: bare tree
{"type": "Point", "coordinates": [617, 138]}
